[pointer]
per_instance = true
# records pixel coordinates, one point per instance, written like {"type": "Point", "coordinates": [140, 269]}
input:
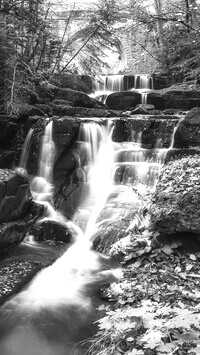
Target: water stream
{"type": "Point", "coordinates": [117, 83]}
{"type": "Point", "coordinates": [55, 312]}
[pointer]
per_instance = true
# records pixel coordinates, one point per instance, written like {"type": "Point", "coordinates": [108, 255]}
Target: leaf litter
{"type": "Point", "coordinates": [155, 308]}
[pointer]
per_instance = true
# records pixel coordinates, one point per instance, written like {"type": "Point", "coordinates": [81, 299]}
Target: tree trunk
{"type": "Point", "coordinates": [158, 8]}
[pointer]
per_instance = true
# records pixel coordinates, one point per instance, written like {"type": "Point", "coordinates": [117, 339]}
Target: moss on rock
{"type": "Point", "coordinates": [176, 203]}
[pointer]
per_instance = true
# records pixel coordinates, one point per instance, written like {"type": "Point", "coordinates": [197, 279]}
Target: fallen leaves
{"type": "Point", "coordinates": [161, 288]}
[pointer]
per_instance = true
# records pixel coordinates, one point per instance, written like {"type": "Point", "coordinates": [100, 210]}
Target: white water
{"type": "Point", "coordinates": [116, 83]}
{"type": "Point", "coordinates": [66, 284]}
{"type": "Point", "coordinates": [136, 165]}
{"type": "Point", "coordinates": [144, 81]}
{"type": "Point", "coordinates": [100, 173]}
{"type": "Point", "coordinates": [25, 151]}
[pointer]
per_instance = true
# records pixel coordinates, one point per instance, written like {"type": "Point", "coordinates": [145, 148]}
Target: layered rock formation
{"type": "Point", "coordinates": [17, 212]}
{"type": "Point", "coordinates": [161, 99]}
{"type": "Point", "coordinates": [151, 129]}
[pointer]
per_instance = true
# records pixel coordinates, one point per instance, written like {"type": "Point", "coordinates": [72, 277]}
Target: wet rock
{"type": "Point", "coordinates": [172, 111]}
{"type": "Point", "coordinates": [65, 133]}
{"type": "Point", "coordinates": [11, 234]}
{"type": "Point", "coordinates": [15, 196]}
{"type": "Point", "coordinates": [139, 110]}
{"type": "Point", "coordinates": [69, 110]}
{"type": "Point", "coordinates": [8, 130]}
{"type": "Point", "coordinates": [72, 196]}
{"type": "Point", "coordinates": [188, 132]}
{"type": "Point", "coordinates": [6, 159]}
{"type": "Point", "coordinates": [175, 205]}
{"type": "Point", "coordinates": [180, 99]}
{"type": "Point", "coordinates": [156, 112]}
{"type": "Point", "coordinates": [147, 129]}
{"type": "Point", "coordinates": [148, 107]}
{"type": "Point", "coordinates": [154, 98]}
{"type": "Point", "coordinates": [66, 163]}
{"type": "Point", "coordinates": [161, 81]}
{"type": "Point", "coordinates": [51, 230]}
{"type": "Point", "coordinates": [123, 100]}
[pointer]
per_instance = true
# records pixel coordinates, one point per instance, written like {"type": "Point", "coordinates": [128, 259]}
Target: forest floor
{"type": "Point", "coordinates": [155, 308]}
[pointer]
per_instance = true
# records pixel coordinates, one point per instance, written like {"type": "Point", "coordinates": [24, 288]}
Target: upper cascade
{"type": "Point", "coordinates": [117, 83]}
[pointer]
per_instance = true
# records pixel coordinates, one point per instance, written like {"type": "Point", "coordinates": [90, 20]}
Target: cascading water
{"type": "Point", "coordinates": [113, 83]}
{"type": "Point", "coordinates": [58, 299]}
{"type": "Point", "coordinates": [136, 165]}
{"type": "Point", "coordinates": [143, 83]}
{"type": "Point", "coordinates": [45, 318]}
{"type": "Point", "coordinates": [117, 83]}
{"type": "Point", "coordinates": [25, 151]}
{"type": "Point", "coordinates": [100, 151]}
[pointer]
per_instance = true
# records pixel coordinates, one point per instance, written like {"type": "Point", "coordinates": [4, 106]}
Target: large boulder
{"type": "Point", "coordinates": [188, 131]}
{"type": "Point", "coordinates": [50, 230]}
{"type": "Point", "coordinates": [11, 234]}
{"type": "Point", "coordinates": [15, 196]}
{"type": "Point", "coordinates": [17, 210]}
{"type": "Point", "coordinates": [176, 203]}
{"type": "Point", "coordinates": [123, 100]}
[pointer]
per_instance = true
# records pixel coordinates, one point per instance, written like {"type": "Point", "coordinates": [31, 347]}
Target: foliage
{"type": "Point", "coordinates": [172, 32]}
{"type": "Point", "coordinates": [157, 305]}
{"type": "Point", "coordinates": [40, 38]}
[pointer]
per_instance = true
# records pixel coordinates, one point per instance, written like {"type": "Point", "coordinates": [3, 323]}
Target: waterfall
{"type": "Point", "coordinates": [113, 83]}
{"type": "Point", "coordinates": [47, 154]}
{"type": "Point", "coordinates": [59, 295]}
{"type": "Point", "coordinates": [138, 166]}
{"type": "Point", "coordinates": [143, 83]}
{"type": "Point", "coordinates": [100, 154]}
{"type": "Point", "coordinates": [25, 151]}
{"type": "Point", "coordinates": [117, 83]}
{"type": "Point", "coordinates": [41, 186]}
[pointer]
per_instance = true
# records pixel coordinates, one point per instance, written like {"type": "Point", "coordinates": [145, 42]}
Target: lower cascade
{"type": "Point", "coordinates": [53, 314]}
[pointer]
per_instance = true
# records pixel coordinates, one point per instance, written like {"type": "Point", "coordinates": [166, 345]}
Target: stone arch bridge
{"type": "Point", "coordinates": [79, 29]}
